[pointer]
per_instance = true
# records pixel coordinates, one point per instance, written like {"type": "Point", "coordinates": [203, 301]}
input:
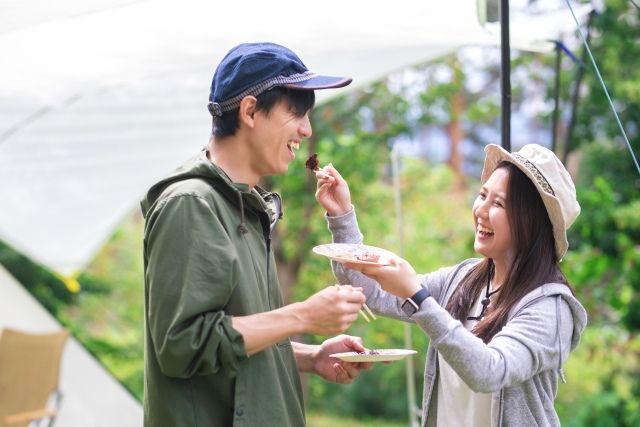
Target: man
{"type": "Point", "coordinates": [217, 333]}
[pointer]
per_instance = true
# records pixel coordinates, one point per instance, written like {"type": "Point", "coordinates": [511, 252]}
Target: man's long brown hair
{"type": "Point", "coordinates": [534, 262]}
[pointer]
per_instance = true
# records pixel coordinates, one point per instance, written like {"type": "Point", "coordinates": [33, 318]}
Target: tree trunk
{"type": "Point", "coordinates": [454, 127]}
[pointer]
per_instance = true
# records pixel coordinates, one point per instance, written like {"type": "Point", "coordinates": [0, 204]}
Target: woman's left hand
{"type": "Point", "coordinates": [398, 277]}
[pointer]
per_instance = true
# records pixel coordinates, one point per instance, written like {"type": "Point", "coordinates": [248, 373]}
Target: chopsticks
{"type": "Point", "coordinates": [368, 311]}
{"type": "Point", "coordinates": [365, 311]}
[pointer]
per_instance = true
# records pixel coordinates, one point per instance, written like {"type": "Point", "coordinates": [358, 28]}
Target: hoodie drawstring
{"type": "Point", "coordinates": [558, 328]}
{"type": "Point", "coordinates": [241, 226]}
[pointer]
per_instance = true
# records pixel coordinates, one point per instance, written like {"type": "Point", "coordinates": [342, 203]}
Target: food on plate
{"type": "Point", "coordinates": [363, 255]}
{"type": "Point", "coordinates": [354, 253]}
{"type": "Point", "coordinates": [367, 256]}
{"type": "Point", "coordinates": [312, 163]}
{"type": "Point", "coordinates": [368, 352]}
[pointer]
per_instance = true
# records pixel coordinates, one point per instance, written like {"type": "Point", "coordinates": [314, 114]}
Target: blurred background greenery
{"type": "Point", "coordinates": [438, 116]}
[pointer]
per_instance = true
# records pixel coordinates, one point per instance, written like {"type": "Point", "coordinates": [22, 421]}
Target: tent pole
{"type": "Point", "coordinates": [505, 74]}
{"type": "Point", "coordinates": [409, 371]}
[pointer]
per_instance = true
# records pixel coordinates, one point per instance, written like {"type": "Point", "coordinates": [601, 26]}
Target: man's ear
{"type": "Point", "coordinates": [247, 110]}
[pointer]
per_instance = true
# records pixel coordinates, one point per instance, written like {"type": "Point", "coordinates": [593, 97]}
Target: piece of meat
{"type": "Point", "coordinates": [368, 352]}
{"type": "Point", "coordinates": [312, 162]}
{"type": "Point", "coordinates": [367, 256]}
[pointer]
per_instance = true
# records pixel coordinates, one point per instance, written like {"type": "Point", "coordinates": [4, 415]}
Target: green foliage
{"type": "Point", "coordinates": [602, 385]}
{"type": "Point", "coordinates": [43, 285]}
{"type": "Point", "coordinates": [615, 48]}
{"type": "Point", "coordinates": [108, 314]}
{"type": "Point", "coordinates": [604, 264]}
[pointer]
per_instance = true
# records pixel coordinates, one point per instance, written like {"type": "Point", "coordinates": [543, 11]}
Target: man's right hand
{"type": "Point", "coordinates": [328, 312]}
{"type": "Point", "coordinates": [332, 310]}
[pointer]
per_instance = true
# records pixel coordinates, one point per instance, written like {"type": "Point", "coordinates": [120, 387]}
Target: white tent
{"type": "Point", "coordinates": [99, 98]}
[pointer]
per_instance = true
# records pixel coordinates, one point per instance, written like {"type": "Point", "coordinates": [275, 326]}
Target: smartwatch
{"type": "Point", "coordinates": [412, 304]}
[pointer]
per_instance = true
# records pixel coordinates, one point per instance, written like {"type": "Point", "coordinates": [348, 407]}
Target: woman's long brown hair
{"type": "Point", "coordinates": [534, 262]}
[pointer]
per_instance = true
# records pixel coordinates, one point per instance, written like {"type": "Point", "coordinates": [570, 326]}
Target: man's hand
{"type": "Point", "coordinates": [336, 370]}
{"type": "Point", "coordinates": [331, 311]}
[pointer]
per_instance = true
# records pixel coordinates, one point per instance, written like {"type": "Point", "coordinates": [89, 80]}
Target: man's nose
{"type": "Point", "coordinates": [304, 127]}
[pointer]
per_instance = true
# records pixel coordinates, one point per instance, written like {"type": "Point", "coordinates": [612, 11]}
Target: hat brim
{"type": "Point", "coordinates": [494, 156]}
{"type": "Point", "coordinates": [320, 82]}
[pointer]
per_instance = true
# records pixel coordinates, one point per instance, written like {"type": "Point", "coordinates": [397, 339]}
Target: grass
{"type": "Point", "coordinates": [327, 420]}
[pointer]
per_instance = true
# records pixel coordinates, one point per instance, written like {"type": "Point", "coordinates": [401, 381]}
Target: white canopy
{"type": "Point", "coordinates": [100, 98]}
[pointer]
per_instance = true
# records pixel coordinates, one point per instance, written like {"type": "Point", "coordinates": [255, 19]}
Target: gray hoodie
{"type": "Point", "coordinates": [520, 365]}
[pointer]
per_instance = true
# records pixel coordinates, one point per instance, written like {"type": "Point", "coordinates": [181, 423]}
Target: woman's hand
{"type": "Point", "coordinates": [398, 277]}
{"type": "Point", "coordinates": [332, 191]}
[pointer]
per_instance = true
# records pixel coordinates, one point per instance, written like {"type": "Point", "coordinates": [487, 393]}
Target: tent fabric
{"type": "Point", "coordinates": [100, 98]}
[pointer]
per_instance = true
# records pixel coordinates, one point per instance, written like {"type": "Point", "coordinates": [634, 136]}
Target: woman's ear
{"type": "Point", "coordinates": [247, 110]}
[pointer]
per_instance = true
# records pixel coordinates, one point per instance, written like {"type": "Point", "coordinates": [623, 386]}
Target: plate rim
{"type": "Point", "coordinates": [403, 352]}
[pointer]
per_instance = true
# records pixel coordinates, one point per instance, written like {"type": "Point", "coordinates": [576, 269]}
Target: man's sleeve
{"type": "Point", "coordinates": [190, 275]}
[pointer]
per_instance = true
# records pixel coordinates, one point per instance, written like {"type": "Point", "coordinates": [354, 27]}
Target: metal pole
{"type": "Point", "coordinates": [409, 371]}
{"type": "Point", "coordinates": [505, 74]}
{"type": "Point", "coordinates": [556, 100]}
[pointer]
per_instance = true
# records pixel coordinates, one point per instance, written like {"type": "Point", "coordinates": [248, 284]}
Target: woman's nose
{"type": "Point", "coordinates": [483, 209]}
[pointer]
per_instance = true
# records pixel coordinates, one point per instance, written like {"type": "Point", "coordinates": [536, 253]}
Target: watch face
{"type": "Point", "coordinates": [409, 307]}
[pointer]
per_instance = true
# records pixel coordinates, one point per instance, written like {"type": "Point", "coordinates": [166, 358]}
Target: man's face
{"type": "Point", "coordinates": [275, 138]}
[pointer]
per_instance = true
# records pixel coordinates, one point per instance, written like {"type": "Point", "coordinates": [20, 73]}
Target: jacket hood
{"type": "Point", "coordinates": [200, 167]}
{"type": "Point", "coordinates": [197, 167]}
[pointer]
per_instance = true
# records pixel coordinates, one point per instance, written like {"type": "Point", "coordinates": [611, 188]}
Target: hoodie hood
{"type": "Point", "coordinates": [560, 293]}
{"type": "Point", "coordinates": [559, 290]}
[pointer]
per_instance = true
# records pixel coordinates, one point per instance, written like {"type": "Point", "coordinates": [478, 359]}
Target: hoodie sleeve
{"type": "Point", "coordinates": [528, 344]}
{"type": "Point", "coordinates": [345, 229]}
{"type": "Point", "coordinates": [191, 264]}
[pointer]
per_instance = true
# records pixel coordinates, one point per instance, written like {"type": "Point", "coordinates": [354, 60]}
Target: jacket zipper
{"type": "Point", "coordinates": [268, 242]}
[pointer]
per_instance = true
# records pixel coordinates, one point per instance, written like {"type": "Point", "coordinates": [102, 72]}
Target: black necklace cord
{"type": "Point", "coordinates": [487, 298]}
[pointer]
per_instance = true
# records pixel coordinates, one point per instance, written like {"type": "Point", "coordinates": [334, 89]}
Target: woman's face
{"type": "Point", "coordinates": [493, 231]}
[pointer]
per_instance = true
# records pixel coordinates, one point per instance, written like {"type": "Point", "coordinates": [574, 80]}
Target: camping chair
{"type": "Point", "coordinates": [29, 373]}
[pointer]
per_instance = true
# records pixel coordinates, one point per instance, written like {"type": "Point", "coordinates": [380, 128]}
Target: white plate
{"type": "Point", "coordinates": [375, 355]}
{"type": "Point", "coordinates": [353, 253]}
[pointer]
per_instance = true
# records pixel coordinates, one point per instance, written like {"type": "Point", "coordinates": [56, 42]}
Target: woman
{"type": "Point", "coordinates": [500, 326]}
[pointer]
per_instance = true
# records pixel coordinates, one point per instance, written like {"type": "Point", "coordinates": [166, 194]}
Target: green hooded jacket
{"type": "Point", "coordinates": [207, 258]}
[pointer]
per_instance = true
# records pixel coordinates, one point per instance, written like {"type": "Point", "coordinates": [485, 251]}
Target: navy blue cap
{"type": "Point", "coordinates": [252, 68]}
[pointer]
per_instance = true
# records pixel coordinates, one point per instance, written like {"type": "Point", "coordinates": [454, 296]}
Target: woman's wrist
{"type": "Point", "coordinates": [340, 212]}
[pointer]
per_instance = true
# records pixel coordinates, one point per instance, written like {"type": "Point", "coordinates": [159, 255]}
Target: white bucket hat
{"type": "Point", "coordinates": [550, 178]}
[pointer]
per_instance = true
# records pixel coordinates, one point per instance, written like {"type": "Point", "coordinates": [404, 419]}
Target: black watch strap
{"type": "Point", "coordinates": [412, 304]}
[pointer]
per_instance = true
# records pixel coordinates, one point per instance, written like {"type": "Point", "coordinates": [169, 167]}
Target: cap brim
{"type": "Point", "coordinates": [320, 82]}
